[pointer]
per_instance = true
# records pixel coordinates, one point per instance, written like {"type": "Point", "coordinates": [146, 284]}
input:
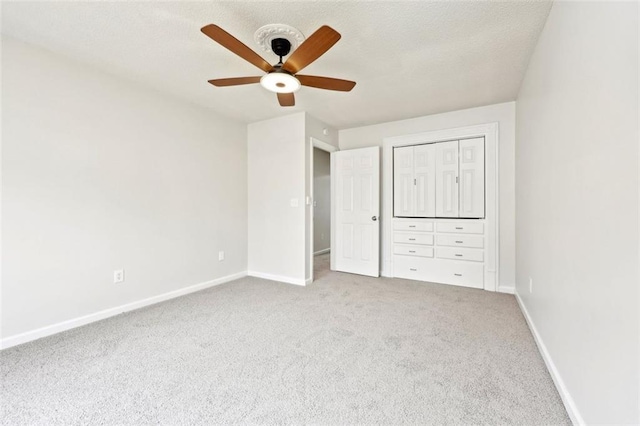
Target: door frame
{"type": "Point", "coordinates": [490, 132]}
{"type": "Point", "coordinates": [324, 146]}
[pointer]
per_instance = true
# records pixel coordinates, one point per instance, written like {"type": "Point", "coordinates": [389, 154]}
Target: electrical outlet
{"type": "Point", "coordinates": [220, 256]}
{"type": "Point", "coordinates": [530, 285]}
{"type": "Point", "coordinates": [118, 276]}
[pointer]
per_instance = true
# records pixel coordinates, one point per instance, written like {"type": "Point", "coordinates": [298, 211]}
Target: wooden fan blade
{"type": "Point", "coordinates": [223, 82]}
{"type": "Point", "coordinates": [311, 49]}
{"type": "Point", "coordinates": [326, 83]}
{"type": "Point", "coordinates": [225, 39]}
{"type": "Point", "coordinates": [286, 99]}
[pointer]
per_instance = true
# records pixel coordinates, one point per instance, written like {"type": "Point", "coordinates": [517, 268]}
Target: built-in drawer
{"type": "Point", "coordinates": [413, 238]}
{"type": "Point", "coordinates": [467, 274]}
{"type": "Point", "coordinates": [461, 227]}
{"type": "Point", "coordinates": [475, 255]}
{"type": "Point", "coordinates": [413, 226]}
{"type": "Point", "coordinates": [411, 267]}
{"type": "Point", "coordinates": [413, 250]}
{"type": "Point", "coordinates": [473, 241]}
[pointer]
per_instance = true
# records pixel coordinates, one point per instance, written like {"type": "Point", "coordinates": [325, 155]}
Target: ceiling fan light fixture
{"type": "Point", "coordinates": [280, 82]}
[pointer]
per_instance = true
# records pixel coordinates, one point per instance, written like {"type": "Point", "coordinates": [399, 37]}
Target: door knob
{"type": "Point", "coordinates": [373, 218]}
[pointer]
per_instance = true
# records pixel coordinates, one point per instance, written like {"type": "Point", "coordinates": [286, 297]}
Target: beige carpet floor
{"type": "Point", "coordinates": [345, 350]}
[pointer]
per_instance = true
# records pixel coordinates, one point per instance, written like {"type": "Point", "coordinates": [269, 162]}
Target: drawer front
{"type": "Point", "coordinates": [473, 241]}
{"type": "Point", "coordinates": [411, 267]}
{"type": "Point", "coordinates": [454, 253]}
{"type": "Point", "coordinates": [413, 250]}
{"type": "Point", "coordinates": [444, 271]}
{"type": "Point", "coordinates": [411, 238]}
{"type": "Point", "coordinates": [413, 226]}
{"type": "Point", "coordinates": [467, 274]}
{"type": "Point", "coordinates": [466, 227]}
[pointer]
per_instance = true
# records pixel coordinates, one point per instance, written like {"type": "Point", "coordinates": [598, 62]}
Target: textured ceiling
{"type": "Point", "coordinates": [408, 58]}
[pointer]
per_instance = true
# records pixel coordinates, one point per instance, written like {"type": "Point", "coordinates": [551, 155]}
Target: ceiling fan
{"type": "Point", "coordinates": [282, 78]}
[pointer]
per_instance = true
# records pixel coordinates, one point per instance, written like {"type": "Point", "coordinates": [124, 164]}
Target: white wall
{"type": "Point", "coordinates": [504, 114]}
{"type": "Point", "coordinates": [98, 175]}
{"type": "Point", "coordinates": [577, 204]}
{"type": "Point", "coordinates": [322, 200]}
{"type": "Point", "coordinates": [277, 243]}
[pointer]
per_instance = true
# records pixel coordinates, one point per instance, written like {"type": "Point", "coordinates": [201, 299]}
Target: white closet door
{"type": "Point", "coordinates": [472, 177]}
{"type": "Point", "coordinates": [403, 183]}
{"type": "Point", "coordinates": [425, 180]}
{"type": "Point", "coordinates": [447, 179]}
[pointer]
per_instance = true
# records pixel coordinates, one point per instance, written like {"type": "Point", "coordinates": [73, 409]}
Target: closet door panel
{"type": "Point", "coordinates": [471, 160]}
{"type": "Point", "coordinates": [447, 179]}
{"type": "Point", "coordinates": [424, 157]}
{"type": "Point", "coordinates": [403, 183]}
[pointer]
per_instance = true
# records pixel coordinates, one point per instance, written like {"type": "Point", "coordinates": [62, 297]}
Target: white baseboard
{"type": "Point", "coordinates": [49, 330]}
{"type": "Point", "coordinates": [506, 289]}
{"type": "Point", "coordinates": [323, 251]}
{"type": "Point", "coordinates": [279, 278]}
{"type": "Point", "coordinates": [567, 400]}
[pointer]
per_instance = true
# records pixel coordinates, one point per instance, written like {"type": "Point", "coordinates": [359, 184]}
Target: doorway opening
{"type": "Point", "coordinates": [320, 241]}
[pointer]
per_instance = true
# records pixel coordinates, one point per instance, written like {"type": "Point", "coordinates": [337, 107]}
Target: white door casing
{"type": "Point", "coordinates": [447, 179]}
{"type": "Point", "coordinates": [357, 211]}
{"type": "Point", "coordinates": [471, 159]}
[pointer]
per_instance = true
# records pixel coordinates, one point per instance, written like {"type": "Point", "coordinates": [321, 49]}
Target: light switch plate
{"type": "Point", "coordinates": [294, 202]}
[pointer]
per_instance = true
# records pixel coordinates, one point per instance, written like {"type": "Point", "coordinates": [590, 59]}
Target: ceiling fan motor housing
{"type": "Point", "coordinates": [279, 80]}
{"type": "Point", "coordinates": [281, 46]}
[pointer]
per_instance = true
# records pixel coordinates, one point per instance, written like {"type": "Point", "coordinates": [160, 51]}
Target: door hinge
{"type": "Point", "coordinates": [414, 182]}
{"type": "Point", "coordinates": [456, 179]}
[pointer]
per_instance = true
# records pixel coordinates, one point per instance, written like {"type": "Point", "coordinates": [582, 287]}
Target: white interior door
{"type": "Point", "coordinates": [403, 182]}
{"type": "Point", "coordinates": [447, 179]}
{"type": "Point", "coordinates": [357, 210]}
{"type": "Point", "coordinates": [472, 177]}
